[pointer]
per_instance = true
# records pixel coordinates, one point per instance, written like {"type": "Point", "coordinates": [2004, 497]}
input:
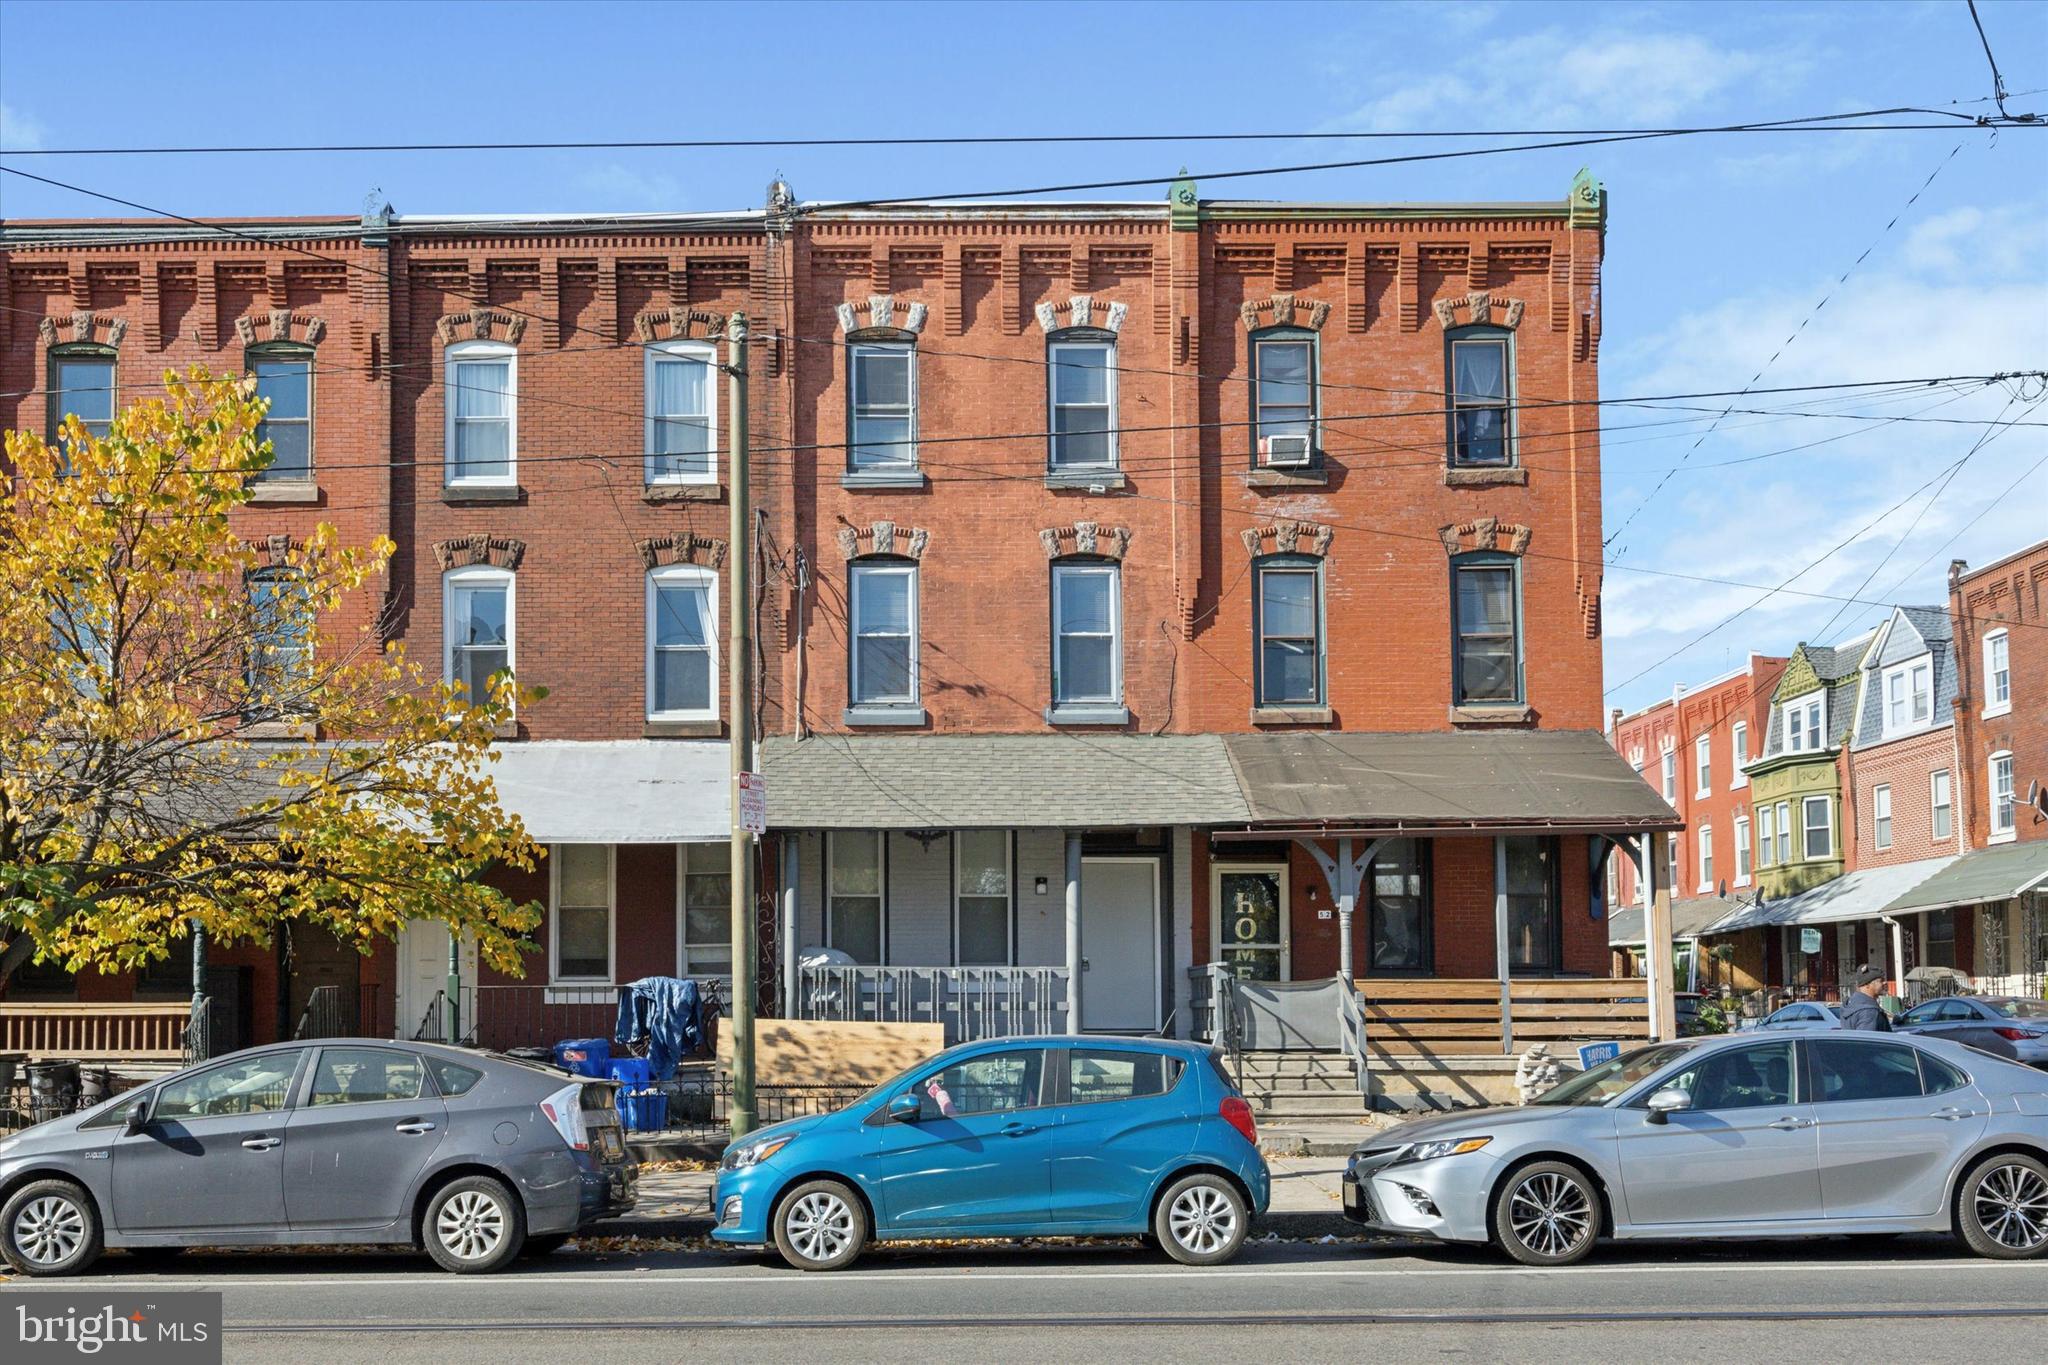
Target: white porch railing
{"type": "Point", "coordinates": [972, 1002]}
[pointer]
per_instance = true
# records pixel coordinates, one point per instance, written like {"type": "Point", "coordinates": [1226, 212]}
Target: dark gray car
{"type": "Point", "coordinates": [2003, 1025]}
{"type": "Point", "coordinates": [473, 1156]}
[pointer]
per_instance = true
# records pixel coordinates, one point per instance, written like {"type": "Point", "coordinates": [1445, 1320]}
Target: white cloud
{"type": "Point", "coordinates": [19, 132]}
{"type": "Point", "coordinates": [625, 187]}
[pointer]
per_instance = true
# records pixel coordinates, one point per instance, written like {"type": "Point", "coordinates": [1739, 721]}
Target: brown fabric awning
{"type": "Point", "coordinates": [1534, 781]}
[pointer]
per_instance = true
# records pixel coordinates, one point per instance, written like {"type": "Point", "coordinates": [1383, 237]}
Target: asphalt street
{"type": "Point", "coordinates": [1920, 1296]}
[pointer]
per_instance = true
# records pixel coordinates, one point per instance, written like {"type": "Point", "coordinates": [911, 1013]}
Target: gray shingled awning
{"type": "Point", "coordinates": [1688, 919]}
{"type": "Point", "coordinates": [1863, 894]}
{"type": "Point", "coordinates": [1984, 874]}
{"type": "Point", "coordinates": [1061, 781]}
{"type": "Point", "coordinates": [1313, 782]}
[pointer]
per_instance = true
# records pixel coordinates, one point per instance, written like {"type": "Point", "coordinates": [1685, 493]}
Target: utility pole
{"type": "Point", "coordinates": [739, 699]}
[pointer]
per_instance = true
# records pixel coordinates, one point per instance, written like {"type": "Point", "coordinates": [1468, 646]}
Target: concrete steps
{"type": "Point", "coordinates": [1301, 1085]}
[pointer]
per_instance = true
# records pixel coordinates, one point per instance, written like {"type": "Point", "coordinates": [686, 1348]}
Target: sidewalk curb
{"type": "Point", "coordinates": [1288, 1224]}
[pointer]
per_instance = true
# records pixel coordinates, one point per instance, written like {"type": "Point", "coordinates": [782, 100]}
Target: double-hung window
{"type": "Point", "coordinates": [1670, 774]}
{"type": "Point", "coordinates": [1941, 805]}
{"type": "Point", "coordinates": [583, 912]}
{"type": "Point", "coordinates": [1997, 673]}
{"type": "Point", "coordinates": [82, 386]}
{"type": "Point", "coordinates": [1082, 392]}
{"type": "Point", "coordinates": [1908, 697]}
{"type": "Point", "coordinates": [1881, 815]}
{"type": "Point", "coordinates": [1738, 738]}
{"type": "Point", "coordinates": [853, 902]}
{"type": "Point", "coordinates": [482, 405]}
{"type": "Point", "coordinates": [1703, 765]}
{"type": "Point", "coordinates": [884, 663]}
{"type": "Point", "coordinates": [1743, 855]}
{"type": "Point", "coordinates": [280, 636]}
{"type": "Point", "coordinates": [2004, 818]}
{"type": "Point", "coordinates": [705, 874]}
{"type": "Point", "coordinates": [1087, 666]}
{"type": "Point", "coordinates": [1284, 400]}
{"type": "Point", "coordinates": [981, 901]}
{"type": "Point", "coordinates": [1287, 625]}
{"type": "Point", "coordinates": [882, 417]}
{"type": "Point", "coordinates": [284, 380]}
{"type": "Point", "coordinates": [1817, 819]}
{"type": "Point", "coordinates": [1784, 831]}
{"type": "Point", "coordinates": [682, 643]}
{"type": "Point", "coordinates": [478, 613]}
{"type": "Point", "coordinates": [1706, 858]}
{"type": "Point", "coordinates": [1766, 833]}
{"type": "Point", "coordinates": [682, 413]}
{"type": "Point", "coordinates": [1488, 665]}
{"type": "Point", "coordinates": [1481, 382]}
{"type": "Point", "coordinates": [1806, 723]}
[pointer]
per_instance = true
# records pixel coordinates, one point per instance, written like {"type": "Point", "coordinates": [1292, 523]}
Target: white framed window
{"type": "Point", "coordinates": [682, 643]}
{"type": "Point", "coordinates": [478, 611]}
{"type": "Point", "coordinates": [1671, 864]}
{"type": "Point", "coordinates": [1284, 400]}
{"type": "Point", "coordinates": [284, 379]}
{"type": "Point", "coordinates": [1997, 673]}
{"type": "Point", "coordinates": [882, 394]}
{"type": "Point", "coordinates": [2004, 816]}
{"type": "Point", "coordinates": [884, 664]}
{"type": "Point", "coordinates": [1908, 697]}
{"type": "Point", "coordinates": [1081, 391]}
{"type": "Point", "coordinates": [1743, 856]}
{"type": "Point", "coordinates": [1941, 805]}
{"type": "Point", "coordinates": [582, 938]}
{"type": "Point", "coordinates": [1806, 723]}
{"type": "Point", "coordinates": [981, 898]}
{"type": "Point", "coordinates": [1706, 858]}
{"type": "Point", "coordinates": [1087, 627]}
{"type": "Point", "coordinates": [1670, 774]}
{"type": "Point", "coordinates": [481, 442]}
{"type": "Point", "coordinates": [1703, 765]}
{"type": "Point", "coordinates": [1738, 739]}
{"type": "Point", "coordinates": [1881, 815]}
{"type": "Point", "coordinates": [1766, 833]}
{"type": "Point", "coordinates": [704, 910]}
{"type": "Point", "coordinates": [854, 923]}
{"type": "Point", "coordinates": [1817, 827]}
{"type": "Point", "coordinates": [1784, 831]}
{"type": "Point", "coordinates": [682, 412]}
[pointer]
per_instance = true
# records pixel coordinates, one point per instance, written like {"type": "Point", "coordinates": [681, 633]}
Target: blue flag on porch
{"type": "Point", "coordinates": [666, 1011]}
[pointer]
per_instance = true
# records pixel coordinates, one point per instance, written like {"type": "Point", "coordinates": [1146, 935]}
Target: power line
{"type": "Point", "coordinates": [1998, 94]}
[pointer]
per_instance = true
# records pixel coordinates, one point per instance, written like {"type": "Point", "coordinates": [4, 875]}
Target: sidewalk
{"type": "Point", "coordinates": [1307, 1201]}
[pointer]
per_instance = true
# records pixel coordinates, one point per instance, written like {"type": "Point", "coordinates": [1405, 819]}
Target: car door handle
{"type": "Point", "coordinates": [415, 1126]}
{"type": "Point", "coordinates": [1788, 1124]}
{"type": "Point", "coordinates": [1950, 1112]}
{"type": "Point", "coordinates": [261, 1144]}
{"type": "Point", "coordinates": [1019, 1129]}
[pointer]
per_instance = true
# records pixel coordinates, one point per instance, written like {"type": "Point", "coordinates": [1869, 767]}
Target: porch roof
{"type": "Point", "coordinates": [1314, 782]}
{"type": "Point", "coordinates": [1982, 874]}
{"type": "Point", "coordinates": [1863, 894]}
{"type": "Point", "coordinates": [1689, 918]}
{"type": "Point", "coordinates": [1062, 781]}
{"type": "Point", "coordinates": [623, 791]}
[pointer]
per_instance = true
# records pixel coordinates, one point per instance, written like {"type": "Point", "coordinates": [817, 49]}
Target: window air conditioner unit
{"type": "Point", "coordinates": [1285, 450]}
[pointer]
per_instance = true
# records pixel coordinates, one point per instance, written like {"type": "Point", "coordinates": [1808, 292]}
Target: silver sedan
{"type": "Point", "coordinates": [1736, 1136]}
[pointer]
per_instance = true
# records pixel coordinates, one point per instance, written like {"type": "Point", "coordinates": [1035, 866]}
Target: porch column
{"type": "Point", "coordinates": [1500, 941]}
{"type": "Point", "coordinates": [1073, 932]}
{"type": "Point", "coordinates": [1344, 875]}
{"type": "Point", "coordinates": [790, 863]}
{"type": "Point", "coordinates": [1645, 852]}
{"type": "Point", "coordinates": [1657, 967]}
{"type": "Point", "coordinates": [204, 1050]}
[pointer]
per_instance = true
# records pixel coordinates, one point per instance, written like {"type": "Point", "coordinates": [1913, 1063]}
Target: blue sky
{"type": "Point", "coordinates": [1719, 247]}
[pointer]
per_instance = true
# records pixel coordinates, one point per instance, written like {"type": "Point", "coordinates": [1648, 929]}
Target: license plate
{"type": "Point", "coordinates": [613, 1144]}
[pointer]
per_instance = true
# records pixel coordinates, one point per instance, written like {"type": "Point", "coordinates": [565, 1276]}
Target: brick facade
{"type": "Point", "coordinates": [1906, 767]}
{"type": "Point", "coordinates": [2010, 596]}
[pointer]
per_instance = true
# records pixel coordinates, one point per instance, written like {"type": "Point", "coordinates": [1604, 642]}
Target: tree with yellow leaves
{"type": "Point", "coordinates": [191, 739]}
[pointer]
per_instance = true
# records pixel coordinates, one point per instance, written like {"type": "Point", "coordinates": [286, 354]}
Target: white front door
{"type": "Point", "coordinates": [422, 972]}
{"type": "Point", "coordinates": [1120, 944]}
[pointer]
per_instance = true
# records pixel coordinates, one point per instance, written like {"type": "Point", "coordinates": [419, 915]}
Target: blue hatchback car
{"type": "Point", "coordinates": [1022, 1137]}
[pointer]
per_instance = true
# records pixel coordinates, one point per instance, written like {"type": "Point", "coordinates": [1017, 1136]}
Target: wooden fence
{"type": "Point", "coordinates": [1409, 1016]}
{"type": "Point", "coordinates": [95, 1031]}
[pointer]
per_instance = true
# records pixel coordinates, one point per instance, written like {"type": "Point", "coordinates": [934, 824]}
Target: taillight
{"type": "Point", "coordinates": [2015, 1035]}
{"type": "Point", "coordinates": [1235, 1112]}
{"type": "Point", "coordinates": [564, 1109]}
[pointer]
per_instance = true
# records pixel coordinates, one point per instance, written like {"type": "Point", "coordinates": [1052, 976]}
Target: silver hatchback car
{"type": "Point", "coordinates": [472, 1156]}
{"type": "Point", "coordinates": [1745, 1135]}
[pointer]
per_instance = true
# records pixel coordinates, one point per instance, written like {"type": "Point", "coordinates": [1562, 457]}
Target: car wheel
{"type": "Point", "coordinates": [1201, 1220]}
{"type": "Point", "coordinates": [544, 1246]}
{"type": "Point", "coordinates": [2002, 1208]}
{"type": "Point", "coordinates": [820, 1225]}
{"type": "Point", "coordinates": [1548, 1213]}
{"type": "Point", "coordinates": [49, 1227]}
{"type": "Point", "coordinates": [473, 1226]}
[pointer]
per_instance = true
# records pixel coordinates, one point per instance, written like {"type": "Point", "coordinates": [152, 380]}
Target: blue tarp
{"type": "Point", "coordinates": [666, 1011]}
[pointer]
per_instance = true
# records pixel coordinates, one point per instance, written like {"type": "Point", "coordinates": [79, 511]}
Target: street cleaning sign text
{"type": "Point", "coordinates": [753, 799]}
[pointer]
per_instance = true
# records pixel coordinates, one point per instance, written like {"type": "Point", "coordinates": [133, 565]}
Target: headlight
{"type": "Point", "coordinates": [1430, 1151]}
{"type": "Point", "coordinates": [742, 1155]}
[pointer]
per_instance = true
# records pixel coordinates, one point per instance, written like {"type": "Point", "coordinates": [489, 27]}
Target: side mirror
{"type": "Point", "coordinates": [1668, 1101]}
{"type": "Point", "coordinates": [905, 1109]}
{"type": "Point", "coordinates": [137, 1118]}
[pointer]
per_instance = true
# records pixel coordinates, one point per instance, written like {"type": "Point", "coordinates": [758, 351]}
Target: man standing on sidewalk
{"type": "Point", "coordinates": [1859, 1008]}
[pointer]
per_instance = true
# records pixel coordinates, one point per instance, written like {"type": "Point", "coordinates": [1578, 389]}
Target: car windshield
{"type": "Point", "coordinates": [2020, 1009]}
{"type": "Point", "coordinates": [1609, 1079]}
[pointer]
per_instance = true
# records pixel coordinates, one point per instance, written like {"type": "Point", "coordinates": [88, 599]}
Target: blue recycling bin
{"type": "Point", "coordinates": [634, 1073]}
{"type": "Point", "coordinates": [643, 1111]}
{"type": "Point", "coordinates": [584, 1056]}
